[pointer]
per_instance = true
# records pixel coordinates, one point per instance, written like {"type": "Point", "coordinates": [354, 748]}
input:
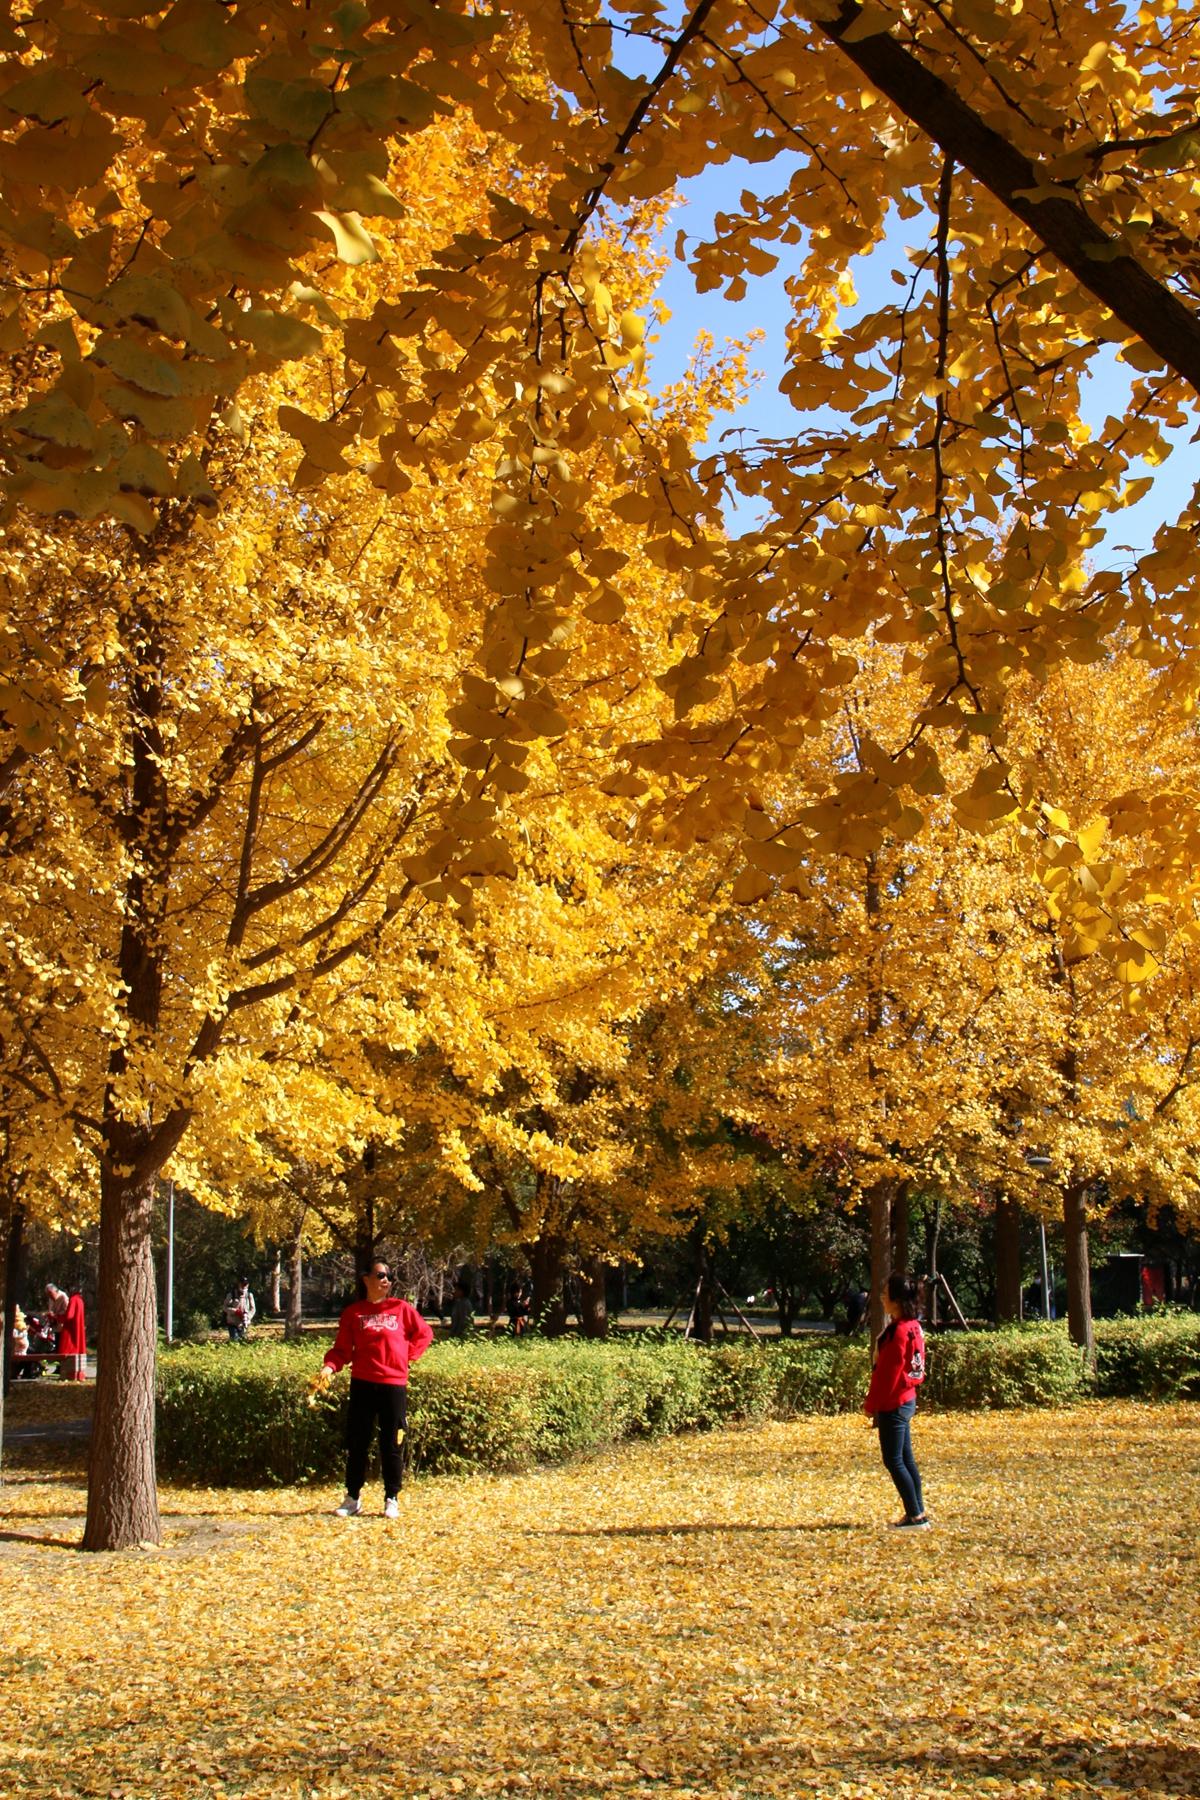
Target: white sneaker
{"type": "Point", "coordinates": [350, 1508]}
{"type": "Point", "coordinates": [391, 1508]}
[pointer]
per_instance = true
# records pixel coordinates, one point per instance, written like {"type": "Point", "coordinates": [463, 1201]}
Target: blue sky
{"type": "Point", "coordinates": [766, 308]}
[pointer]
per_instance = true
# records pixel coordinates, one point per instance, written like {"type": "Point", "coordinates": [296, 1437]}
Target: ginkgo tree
{"type": "Point", "coordinates": [1044, 150]}
{"type": "Point", "coordinates": [199, 200]}
{"type": "Point", "coordinates": [262, 811]}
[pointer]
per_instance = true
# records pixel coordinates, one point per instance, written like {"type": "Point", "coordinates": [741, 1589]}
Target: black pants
{"type": "Point", "coordinates": [387, 1402]}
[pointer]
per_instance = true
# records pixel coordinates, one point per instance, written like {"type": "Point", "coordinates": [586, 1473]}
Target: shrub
{"type": "Point", "coordinates": [241, 1417]}
{"type": "Point", "coordinates": [742, 1383]}
{"type": "Point", "coordinates": [196, 1328]}
{"type": "Point", "coordinates": [467, 1413]}
{"type": "Point", "coordinates": [822, 1375]}
{"type": "Point", "coordinates": [665, 1380]}
{"type": "Point", "coordinates": [1020, 1365]}
{"type": "Point", "coordinates": [1152, 1357]}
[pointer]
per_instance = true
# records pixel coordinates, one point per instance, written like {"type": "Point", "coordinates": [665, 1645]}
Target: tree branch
{"type": "Point", "coordinates": [1099, 262]}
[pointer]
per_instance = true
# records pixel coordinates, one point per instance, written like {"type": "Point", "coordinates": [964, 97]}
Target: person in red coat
{"type": "Point", "coordinates": [379, 1335]}
{"type": "Point", "coordinates": [891, 1401]}
{"type": "Point", "coordinates": [67, 1314]}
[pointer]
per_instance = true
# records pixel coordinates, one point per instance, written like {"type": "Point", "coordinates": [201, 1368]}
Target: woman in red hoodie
{"type": "Point", "coordinates": [379, 1336]}
{"type": "Point", "coordinates": [892, 1396]}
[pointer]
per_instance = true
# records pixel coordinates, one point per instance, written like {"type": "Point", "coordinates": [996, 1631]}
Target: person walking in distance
{"type": "Point", "coordinates": [379, 1335]}
{"type": "Point", "coordinates": [66, 1311]}
{"type": "Point", "coordinates": [891, 1400]}
{"type": "Point", "coordinates": [239, 1310]}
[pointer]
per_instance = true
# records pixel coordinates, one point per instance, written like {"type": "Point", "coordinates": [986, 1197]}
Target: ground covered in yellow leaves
{"type": "Point", "coordinates": [712, 1616]}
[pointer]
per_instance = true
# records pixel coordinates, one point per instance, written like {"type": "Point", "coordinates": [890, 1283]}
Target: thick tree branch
{"type": "Point", "coordinates": [1100, 263]}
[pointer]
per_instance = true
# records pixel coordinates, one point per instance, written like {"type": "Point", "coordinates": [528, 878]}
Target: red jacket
{"type": "Point", "coordinates": [899, 1367]}
{"type": "Point", "coordinates": [380, 1341]}
{"type": "Point", "coordinates": [72, 1335]}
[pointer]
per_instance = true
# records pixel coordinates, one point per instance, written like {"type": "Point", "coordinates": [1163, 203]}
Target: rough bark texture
{"type": "Point", "coordinates": [14, 1244]}
{"type": "Point", "coordinates": [365, 1235]}
{"type": "Point", "coordinates": [702, 1306]}
{"type": "Point", "coordinates": [14, 1229]}
{"type": "Point", "coordinates": [122, 1497]}
{"type": "Point", "coordinates": [293, 1323]}
{"type": "Point", "coordinates": [881, 1252]}
{"type": "Point", "coordinates": [900, 1229]}
{"type": "Point", "coordinates": [593, 1297]}
{"type": "Point", "coordinates": [1099, 262]}
{"type": "Point", "coordinates": [546, 1260]}
{"type": "Point", "coordinates": [933, 1231]}
{"type": "Point", "coordinates": [1008, 1259]}
{"type": "Point", "coordinates": [1079, 1286]}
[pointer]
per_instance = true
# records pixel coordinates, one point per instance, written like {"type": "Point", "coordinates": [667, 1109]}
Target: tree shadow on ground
{"type": "Point", "coordinates": [42, 1542]}
{"type": "Point", "coordinates": [1151, 1771]}
{"type": "Point", "coordinates": [1167, 1770]}
{"type": "Point", "coordinates": [695, 1528]}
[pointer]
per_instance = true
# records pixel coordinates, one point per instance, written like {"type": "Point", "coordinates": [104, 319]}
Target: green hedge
{"type": "Point", "coordinates": [239, 1416]}
{"type": "Point", "coordinates": [1154, 1357]}
{"type": "Point", "coordinates": [1023, 1365]}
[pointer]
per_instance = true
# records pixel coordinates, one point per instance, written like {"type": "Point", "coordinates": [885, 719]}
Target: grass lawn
{"type": "Point", "coordinates": [710, 1616]}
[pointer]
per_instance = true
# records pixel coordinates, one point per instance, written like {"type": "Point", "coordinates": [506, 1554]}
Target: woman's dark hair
{"type": "Point", "coordinates": [361, 1290]}
{"type": "Point", "coordinates": [904, 1291]}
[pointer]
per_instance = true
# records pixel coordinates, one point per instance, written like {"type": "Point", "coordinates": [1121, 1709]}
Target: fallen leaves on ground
{"type": "Point", "coordinates": [726, 1615]}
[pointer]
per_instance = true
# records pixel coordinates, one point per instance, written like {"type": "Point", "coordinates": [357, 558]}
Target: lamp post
{"type": "Point", "coordinates": [1042, 1162]}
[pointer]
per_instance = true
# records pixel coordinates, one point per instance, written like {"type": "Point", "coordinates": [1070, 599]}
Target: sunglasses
{"type": "Point", "coordinates": [381, 1275]}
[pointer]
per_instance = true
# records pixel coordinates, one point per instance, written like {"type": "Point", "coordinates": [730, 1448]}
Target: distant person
{"type": "Point", "coordinates": [857, 1302]}
{"type": "Point", "coordinates": [462, 1312]}
{"type": "Point", "coordinates": [66, 1313]}
{"type": "Point", "coordinates": [239, 1310]}
{"type": "Point", "coordinates": [379, 1335]}
{"type": "Point", "coordinates": [42, 1341]}
{"type": "Point", "coordinates": [19, 1342]}
{"type": "Point", "coordinates": [520, 1305]}
{"type": "Point", "coordinates": [891, 1400]}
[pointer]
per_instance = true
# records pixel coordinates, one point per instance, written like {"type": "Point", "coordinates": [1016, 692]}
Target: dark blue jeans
{"type": "Point", "coordinates": [895, 1445]}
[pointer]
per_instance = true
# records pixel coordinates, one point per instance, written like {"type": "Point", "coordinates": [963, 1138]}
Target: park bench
{"type": "Point", "coordinates": [35, 1356]}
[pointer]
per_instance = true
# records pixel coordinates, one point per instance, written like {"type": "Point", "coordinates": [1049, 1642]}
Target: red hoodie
{"type": "Point", "coordinates": [899, 1367]}
{"type": "Point", "coordinates": [379, 1341]}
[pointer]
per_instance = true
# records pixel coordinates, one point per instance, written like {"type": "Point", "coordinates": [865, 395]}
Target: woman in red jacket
{"type": "Point", "coordinates": [67, 1314]}
{"type": "Point", "coordinates": [892, 1396]}
{"type": "Point", "coordinates": [379, 1336]}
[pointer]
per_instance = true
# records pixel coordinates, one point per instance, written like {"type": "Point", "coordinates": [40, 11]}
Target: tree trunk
{"type": "Point", "coordinates": [933, 1231]}
{"type": "Point", "coordinates": [365, 1236]}
{"type": "Point", "coordinates": [900, 1229]}
{"type": "Point", "coordinates": [1007, 1221]}
{"type": "Point", "coordinates": [702, 1305]}
{"type": "Point", "coordinates": [549, 1307]}
{"type": "Point", "coordinates": [274, 1297]}
{"type": "Point", "coordinates": [881, 1252]}
{"type": "Point", "coordinates": [293, 1323]}
{"type": "Point", "coordinates": [122, 1497]}
{"type": "Point", "coordinates": [14, 1233]}
{"type": "Point", "coordinates": [1079, 1286]}
{"type": "Point", "coordinates": [14, 1246]}
{"type": "Point", "coordinates": [593, 1297]}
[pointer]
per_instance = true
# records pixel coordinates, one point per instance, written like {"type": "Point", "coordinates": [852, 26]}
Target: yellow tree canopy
{"type": "Point", "coordinates": [181, 186]}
